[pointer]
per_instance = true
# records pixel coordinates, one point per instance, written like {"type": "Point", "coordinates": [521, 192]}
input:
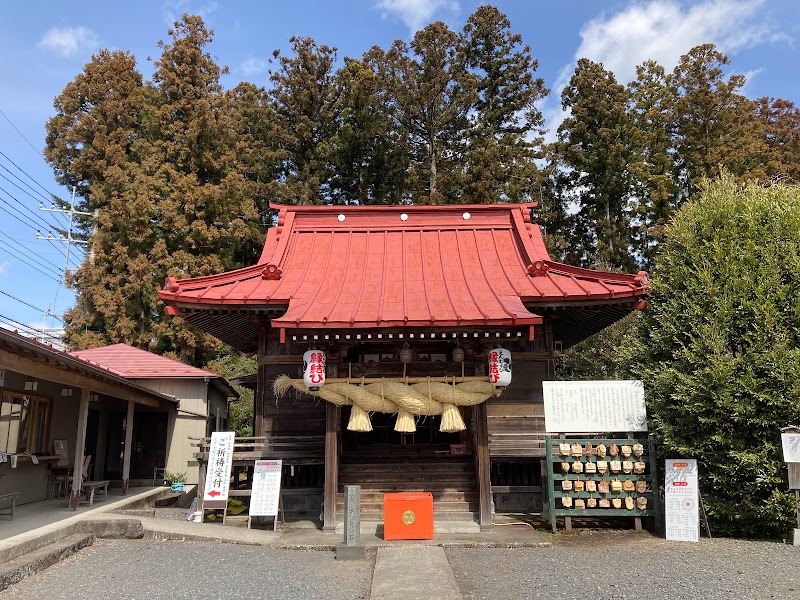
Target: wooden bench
{"type": "Point", "coordinates": [13, 497]}
{"type": "Point", "coordinates": [88, 488]}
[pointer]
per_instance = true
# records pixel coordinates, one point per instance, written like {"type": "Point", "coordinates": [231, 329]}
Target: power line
{"type": "Point", "coordinates": [26, 223]}
{"type": "Point", "coordinates": [50, 194]}
{"type": "Point", "coordinates": [50, 269]}
{"type": "Point", "coordinates": [44, 312]}
{"type": "Point", "coordinates": [40, 195]}
{"type": "Point", "coordinates": [35, 214]}
{"type": "Point", "coordinates": [17, 324]}
{"type": "Point", "coordinates": [21, 134]}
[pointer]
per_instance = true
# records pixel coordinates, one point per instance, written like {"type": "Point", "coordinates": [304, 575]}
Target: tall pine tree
{"type": "Point", "coordinates": [594, 144]}
{"type": "Point", "coordinates": [506, 126]}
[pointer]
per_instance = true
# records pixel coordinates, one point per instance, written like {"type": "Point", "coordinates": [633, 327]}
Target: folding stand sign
{"type": "Point", "coordinates": [265, 500]}
{"type": "Point", "coordinates": [578, 500]}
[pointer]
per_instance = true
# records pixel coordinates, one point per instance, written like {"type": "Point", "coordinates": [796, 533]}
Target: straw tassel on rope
{"type": "Point", "coordinates": [424, 397]}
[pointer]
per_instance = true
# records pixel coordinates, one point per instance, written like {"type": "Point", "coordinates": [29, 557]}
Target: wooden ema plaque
{"type": "Point", "coordinates": [408, 516]}
{"type": "Point", "coordinates": [576, 490]}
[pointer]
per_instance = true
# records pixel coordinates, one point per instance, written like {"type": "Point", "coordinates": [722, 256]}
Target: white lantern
{"type": "Point", "coordinates": [314, 369]}
{"type": "Point", "coordinates": [500, 367]}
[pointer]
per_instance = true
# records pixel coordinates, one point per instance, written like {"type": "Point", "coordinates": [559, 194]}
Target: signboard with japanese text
{"type": "Point", "coordinates": [266, 488]}
{"type": "Point", "coordinates": [218, 474]}
{"type": "Point", "coordinates": [791, 447]}
{"type": "Point", "coordinates": [681, 500]}
{"type": "Point", "coordinates": [594, 406]}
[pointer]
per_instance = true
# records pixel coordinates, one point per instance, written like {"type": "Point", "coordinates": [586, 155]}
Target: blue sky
{"type": "Point", "coordinates": [43, 45]}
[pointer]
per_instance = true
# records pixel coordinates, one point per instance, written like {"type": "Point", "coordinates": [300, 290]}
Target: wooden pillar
{"type": "Point", "coordinates": [332, 416]}
{"type": "Point", "coordinates": [126, 457]}
{"type": "Point", "coordinates": [483, 466]}
{"type": "Point", "coordinates": [80, 442]}
{"type": "Point", "coordinates": [262, 385]}
{"type": "Point", "coordinates": [550, 349]}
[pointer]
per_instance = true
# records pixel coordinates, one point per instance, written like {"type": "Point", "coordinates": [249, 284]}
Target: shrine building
{"type": "Point", "coordinates": [405, 306]}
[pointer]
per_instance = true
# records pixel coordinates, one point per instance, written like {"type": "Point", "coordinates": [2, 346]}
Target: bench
{"type": "Point", "coordinates": [88, 488]}
{"type": "Point", "coordinates": [13, 497]}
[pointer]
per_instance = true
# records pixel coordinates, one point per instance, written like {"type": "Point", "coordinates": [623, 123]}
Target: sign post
{"type": "Point", "coordinates": [218, 478]}
{"type": "Point", "coordinates": [790, 440]}
{"type": "Point", "coordinates": [265, 497]}
{"type": "Point", "coordinates": [681, 500]}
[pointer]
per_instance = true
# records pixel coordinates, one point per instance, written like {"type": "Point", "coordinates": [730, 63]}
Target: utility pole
{"type": "Point", "coordinates": [66, 239]}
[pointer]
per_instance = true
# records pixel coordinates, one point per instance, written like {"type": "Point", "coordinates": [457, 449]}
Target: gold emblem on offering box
{"type": "Point", "coordinates": [409, 517]}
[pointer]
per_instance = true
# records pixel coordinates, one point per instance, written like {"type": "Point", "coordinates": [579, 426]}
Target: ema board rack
{"type": "Point", "coordinates": [601, 477]}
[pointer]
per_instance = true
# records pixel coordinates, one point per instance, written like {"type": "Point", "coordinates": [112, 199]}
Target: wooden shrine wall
{"type": "Point", "coordinates": [516, 418]}
{"type": "Point", "coordinates": [294, 414]}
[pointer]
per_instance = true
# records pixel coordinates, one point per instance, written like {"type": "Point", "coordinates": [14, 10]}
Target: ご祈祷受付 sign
{"type": "Point", "coordinates": [218, 475]}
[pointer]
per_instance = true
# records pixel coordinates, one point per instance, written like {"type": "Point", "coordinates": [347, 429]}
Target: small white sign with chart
{"type": "Point", "coordinates": [681, 500]}
{"type": "Point", "coordinates": [266, 488]}
{"type": "Point", "coordinates": [589, 406]}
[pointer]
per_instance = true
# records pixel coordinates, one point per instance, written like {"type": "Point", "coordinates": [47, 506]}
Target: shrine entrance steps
{"type": "Point", "coordinates": [450, 479]}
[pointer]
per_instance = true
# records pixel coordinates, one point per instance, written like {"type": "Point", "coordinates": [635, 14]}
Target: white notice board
{"type": "Point", "coordinates": [266, 488]}
{"type": "Point", "coordinates": [791, 447]}
{"type": "Point", "coordinates": [681, 500]}
{"type": "Point", "coordinates": [218, 474]}
{"type": "Point", "coordinates": [587, 406]}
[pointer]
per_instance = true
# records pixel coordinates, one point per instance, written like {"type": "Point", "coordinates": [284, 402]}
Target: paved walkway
{"type": "Point", "coordinates": [413, 572]}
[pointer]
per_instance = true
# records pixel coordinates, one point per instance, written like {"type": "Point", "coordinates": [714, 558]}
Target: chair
{"type": "Point", "coordinates": [64, 480]}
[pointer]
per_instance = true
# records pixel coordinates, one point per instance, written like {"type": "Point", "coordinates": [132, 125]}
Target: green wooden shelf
{"type": "Point", "coordinates": [555, 476]}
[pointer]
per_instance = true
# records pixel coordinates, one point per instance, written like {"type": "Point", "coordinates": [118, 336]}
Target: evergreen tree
{"type": "Point", "coordinates": [506, 125]}
{"type": "Point", "coordinates": [303, 96]}
{"type": "Point", "coordinates": [716, 126]}
{"type": "Point", "coordinates": [369, 158]}
{"type": "Point", "coordinates": [652, 168]}
{"type": "Point", "coordinates": [780, 120]}
{"type": "Point", "coordinates": [717, 349]}
{"type": "Point", "coordinates": [431, 94]}
{"type": "Point", "coordinates": [595, 147]}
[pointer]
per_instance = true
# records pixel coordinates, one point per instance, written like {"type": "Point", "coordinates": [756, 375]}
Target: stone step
{"type": "Point", "coordinates": [438, 508]}
{"type": "Point", "coordinates": [17, 569]}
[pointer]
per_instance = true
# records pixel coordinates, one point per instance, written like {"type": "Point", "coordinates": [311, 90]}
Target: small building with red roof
{"type": "Point", "coordinates": [202, 408]}
{"type": "Point", "coordinates": [406, 296]}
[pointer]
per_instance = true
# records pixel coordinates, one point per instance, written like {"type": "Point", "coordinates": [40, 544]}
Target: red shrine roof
{"type": "Point", "coordinates": [127, 361]}
{"type": "Point", "coordinates": [401, 266]}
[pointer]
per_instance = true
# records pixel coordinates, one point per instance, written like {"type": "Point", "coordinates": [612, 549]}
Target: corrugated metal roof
{"type": "Point", "coordinates": [402, 266]}
{"type": "Point", "coordinates": [127, 361]}
{"type": "Point", "coordinates": [13, 342]}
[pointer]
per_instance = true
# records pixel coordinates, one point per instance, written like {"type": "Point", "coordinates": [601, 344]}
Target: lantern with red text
{"type": "Point", "coordinates": [500, 367]}
{"type": "Point", "coordinates": [314, 369]}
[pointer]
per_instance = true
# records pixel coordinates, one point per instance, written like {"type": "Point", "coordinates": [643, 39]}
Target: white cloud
{"type": "Point", "coordinates": [417, 13]}
{"type": "Point", "coordinates": [69, 41]}
{"type": "Point", "coordinates": [254, 66]}
{"type": "Point", "coordinates": [4, 267]}
{"type": "Point", "coordinates": [662, 31]}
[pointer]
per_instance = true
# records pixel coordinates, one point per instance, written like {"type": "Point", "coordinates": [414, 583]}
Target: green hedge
{"type": "Point", "coordinates": [719, 349]}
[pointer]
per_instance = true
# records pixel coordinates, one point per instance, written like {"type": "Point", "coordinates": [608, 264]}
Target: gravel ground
{"type": "Point", "coordinates": [629, 565]}
{"type": "Point", "coordinates": [126, 569]}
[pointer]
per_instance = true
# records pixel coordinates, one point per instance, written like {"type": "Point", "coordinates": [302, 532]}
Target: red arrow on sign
{"type": "Point", "coordinates": [213, 493]}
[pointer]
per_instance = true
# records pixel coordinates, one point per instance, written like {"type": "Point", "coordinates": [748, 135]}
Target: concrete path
{"type": "Point", "coordinates": [409, 572]}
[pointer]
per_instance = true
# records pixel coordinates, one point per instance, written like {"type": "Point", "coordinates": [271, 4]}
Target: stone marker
{"type": "Point", "coordinates": [351, 548]}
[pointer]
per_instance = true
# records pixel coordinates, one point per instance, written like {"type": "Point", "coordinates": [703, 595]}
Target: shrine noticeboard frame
{"type": "Point", "coordinates": [555, 476]}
